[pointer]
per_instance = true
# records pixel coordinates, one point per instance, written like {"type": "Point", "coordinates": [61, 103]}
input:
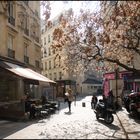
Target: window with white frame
{"type": "Point", "coordinates": [10, 41]}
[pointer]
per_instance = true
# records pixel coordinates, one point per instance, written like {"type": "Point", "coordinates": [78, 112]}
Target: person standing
{"type": "Point", "coordinates": [110, 99]}
{"type": "Point", "coordinates": [94, 101]}
{"type": "Point", "coordinates": [70, 98]}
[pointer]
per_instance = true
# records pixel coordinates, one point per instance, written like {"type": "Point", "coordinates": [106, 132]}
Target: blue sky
{"type": "Point", "coordinates": [58, 6]}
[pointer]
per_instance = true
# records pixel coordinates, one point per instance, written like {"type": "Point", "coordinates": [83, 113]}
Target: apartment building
{"type": "Point", "coordinates": [20, 55]}
{"type": "Point", "coordinates": [52, 60]}
{"type": "Point", "coordinates": [52, 67]}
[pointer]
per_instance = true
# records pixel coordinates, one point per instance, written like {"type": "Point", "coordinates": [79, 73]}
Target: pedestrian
{"type": "Point", "coordinates": [32, 111]}
{"type": "Point", "coordinates": [70, 98]}
{"type": "Point", "coordinates": [110, 99]}
{"type": "Point", "coordinates": [94, 101]}
{"type": "Point", "coordinates": [27, 102]}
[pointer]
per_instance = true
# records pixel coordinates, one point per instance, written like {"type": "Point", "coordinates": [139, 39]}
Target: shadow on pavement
{"type": "Point", "coordinates": [67, 113]}
{"type": "Point", "coordinates": [111, 126]}
{"type": "Point", "coordinates": [135, 118]}
{"type": "Point", "coordinates": [10, 127]}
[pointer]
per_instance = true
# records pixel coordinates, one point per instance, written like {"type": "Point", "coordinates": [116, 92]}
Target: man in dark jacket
{"type": "Point", "coordinates": [94, 101]}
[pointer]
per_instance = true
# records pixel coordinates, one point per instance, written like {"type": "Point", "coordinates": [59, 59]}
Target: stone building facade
{"type": "Point", "coordinates": [20, 55]}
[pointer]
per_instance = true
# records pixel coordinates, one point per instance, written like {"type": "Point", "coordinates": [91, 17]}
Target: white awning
{"type": "Point", "coordinates": [26, 72]}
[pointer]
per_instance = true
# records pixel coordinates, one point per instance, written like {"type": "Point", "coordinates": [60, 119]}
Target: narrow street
{"type": "Point", "coordinates": [80, 124]}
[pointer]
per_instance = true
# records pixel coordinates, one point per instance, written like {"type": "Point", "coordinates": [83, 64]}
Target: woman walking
{"type": "Point", "coordinates": [70, 98]}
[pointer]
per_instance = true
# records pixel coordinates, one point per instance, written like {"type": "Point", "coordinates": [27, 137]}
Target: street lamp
{"type": "Point", "coordinates": [116, 78]}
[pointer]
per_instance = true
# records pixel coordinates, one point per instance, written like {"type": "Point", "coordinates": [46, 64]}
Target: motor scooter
{"type": "Point", "coordinates": [102, 112]}
{"type": "Point", "coordinates": [132, 104]}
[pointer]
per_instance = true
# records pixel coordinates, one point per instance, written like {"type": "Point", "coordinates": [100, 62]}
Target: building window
{"type": "Point", "coordinates": [37, 63]}
{"type": "Point", "coordinates": [60, 75]}
{"type": "Point", "coordinates": [49, 51]}
{"type": "Point", "coordinates": [55, 76]}
{"type": "Point", "coordinates": [26, 30]}
{"type": "Point", "coordinates": [42, 31]}
{"type": "Point", "coordinates": [26, 2]}
{"type": "Point", "coordinates": [26, 58]}
{"type": "Point", "coordinates": [10, 41]}
{"type": "Point", "coordinates": [50, 75]}
{"type": "Point", "coordinates": [54, 63]}
{"type": "Point", "coordinates": [25, 49]}
{"type": "Point", "coordinates": [49, 64]}
{"type": "Point", "coordinates": [95, 87]}
{"type": "Point", "coordinates": [49, 38]}
{"type": "Point", "coordinates": [53, 51]}
{"type": "Point", "coordinates": [11, 18]}
{"type": "Point", "coordinates": [46, 75]}
{"type": "Point", "coordinates": [44, 40]}
{"type": "Point", "coordinates": [113, 2]}
{"type": "Point", "coordinates": [11, 52]}
{"type": "Point", "coordinates": [45, 65]}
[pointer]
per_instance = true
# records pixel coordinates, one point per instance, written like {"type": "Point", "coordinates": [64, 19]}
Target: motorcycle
{"type": "Point", "coordinates": [132, 104]}
{"type": "Point", "coordinates": [102, 112]}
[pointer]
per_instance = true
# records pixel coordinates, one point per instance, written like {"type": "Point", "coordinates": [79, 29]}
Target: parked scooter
{"type": "Point", "coordinates": [132, 104]}
{"type": "Point", "coordinates": [102, 112]}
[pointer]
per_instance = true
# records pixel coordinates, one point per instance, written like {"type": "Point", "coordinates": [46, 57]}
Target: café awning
{"type": "Point", "coordinates": [25, 72]}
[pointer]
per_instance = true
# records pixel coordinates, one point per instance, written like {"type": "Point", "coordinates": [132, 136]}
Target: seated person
{"type": "Point", "coordinates": [32, 111]}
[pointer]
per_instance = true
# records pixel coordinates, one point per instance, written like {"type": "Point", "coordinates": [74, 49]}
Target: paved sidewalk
{"type": "Point", "coordinates": [80, 124]}
{"type": "Point", "coordinates": [130, 125]}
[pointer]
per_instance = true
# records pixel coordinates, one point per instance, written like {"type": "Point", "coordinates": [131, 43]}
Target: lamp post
{"type": "Point", "coordinates": [116, 78]}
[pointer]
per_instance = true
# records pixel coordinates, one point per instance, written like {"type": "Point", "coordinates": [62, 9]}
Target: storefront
{"type": "Point", "coordinates": [63, 85]}
{"type": "Point", "coordinates": [15, 82]}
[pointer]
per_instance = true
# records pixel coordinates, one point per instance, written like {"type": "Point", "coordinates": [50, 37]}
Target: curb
{"type": "Point", "coordinates": [122, 127]}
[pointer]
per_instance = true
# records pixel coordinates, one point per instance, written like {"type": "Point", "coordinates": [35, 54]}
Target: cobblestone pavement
{"type": "Point", "coordinates": [80, 124]}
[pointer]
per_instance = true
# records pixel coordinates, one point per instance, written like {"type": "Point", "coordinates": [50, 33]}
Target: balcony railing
{"type": "Point", "coordinates": [26, 59]}
{"type": "Point", "coordinates": [26, 31]}
{"type": "Point", "coordinates": [11, 20]}
{"type": "Point", "coordinates": [11, 53]}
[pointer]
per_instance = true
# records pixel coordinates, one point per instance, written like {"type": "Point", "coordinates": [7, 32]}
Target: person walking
{"type": "Point", "coordinates": [70, 98]}
{"type": "Point", "coordinates": [94, 101]}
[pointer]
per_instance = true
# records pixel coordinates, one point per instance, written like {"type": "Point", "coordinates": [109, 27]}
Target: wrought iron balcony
{"type": "Point", "coordinates": [11, 20]}
{"type": "Point", "coordinates": [11, 53]}
{"type": "Point", "coordinates": [26, 59]}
